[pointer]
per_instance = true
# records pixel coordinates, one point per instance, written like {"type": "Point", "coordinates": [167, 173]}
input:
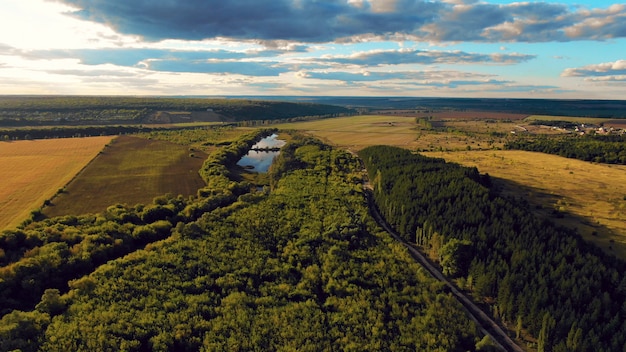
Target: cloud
{"type": "Point", "coordinates": [222, 67]}
{"type": "Point", "coordinates": [607, 79]}
{"type": "Point", "coordinates": [449, 79]}
{"type": "Point", "coordinates": [397, 57]}
{"type": "Point", "coordinates": [607, 69]}
{"type": "Point", "coordinates": [134, 56]}
{"type": "Point", "coordinates": [166, 60]}
{"type": "Point", "coordinates": [93, 73]}
{"type": "Point", "coordinates": [7, 49]}
{"type": "Point", "coordinates": [599, 24]}
{"type": "Point", "coordinates": [368, 76]}
{"type": "Point", "coordinates": [336, 20]}
{"type": "Point", "coordinates": [304, 20]}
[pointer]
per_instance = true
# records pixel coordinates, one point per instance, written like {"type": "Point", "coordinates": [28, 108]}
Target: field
{"type": "Point", "coordinates": [567, 118]}
{"type": "Point", "coordinates": [593, 193]}
{"type": "Point", "coordinates": [589, 197]}
{"type": "Point", "coordinates": [358, 132]}
{"type": "Point", "coordinates": [33, 171]}
{"type": "Point", "coordinates": [131, 170]}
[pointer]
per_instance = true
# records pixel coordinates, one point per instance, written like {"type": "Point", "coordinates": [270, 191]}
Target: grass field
{"type": "Point", "coordinates": [131, 170]}
{"type": "Point", "coordinates": [33, 171]}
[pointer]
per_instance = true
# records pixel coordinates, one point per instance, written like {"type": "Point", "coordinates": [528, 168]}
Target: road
{"type": "Point", "coordinates": [487, 325]}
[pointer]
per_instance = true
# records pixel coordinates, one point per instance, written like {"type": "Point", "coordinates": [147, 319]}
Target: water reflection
{"type": "Point", "coordinates": [260, 160]}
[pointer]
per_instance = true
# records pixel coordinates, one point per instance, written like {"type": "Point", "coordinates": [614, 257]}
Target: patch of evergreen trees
{"type": "Point", "coordinates": [567, 293]}
{"type": "Point", "coordinates": [610, 149]}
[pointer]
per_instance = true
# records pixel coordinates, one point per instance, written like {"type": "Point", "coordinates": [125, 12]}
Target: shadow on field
{"type": "Point", "coordinates": [554, 208]}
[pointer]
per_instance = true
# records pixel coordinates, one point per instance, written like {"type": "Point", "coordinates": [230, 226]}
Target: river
{"type": "Point", "coordinates": [260, 160]}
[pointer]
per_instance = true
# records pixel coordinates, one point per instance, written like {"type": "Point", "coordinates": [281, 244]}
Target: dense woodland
{"type": "Point", "coordinates": [302, 266]}
{"type": "Point", "coordinates": [533, 275]}
{"type": "Point", "coordinates": [610, 149]}
{"type": "Point", "coordinates": [554, 107]}
{"type": "Point", "coordinates": [72, 110]}
{"type": "Point", "coordinates": [46, 254]}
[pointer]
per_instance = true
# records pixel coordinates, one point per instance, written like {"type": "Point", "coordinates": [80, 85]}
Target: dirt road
{"type": "Point", "coordinates": [487, 325]}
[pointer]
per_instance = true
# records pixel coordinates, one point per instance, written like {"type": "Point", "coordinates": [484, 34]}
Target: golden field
{"type": "Point", "coordinates": [33, 171]}
{"type": "Point", "coordinates": [357, 132]}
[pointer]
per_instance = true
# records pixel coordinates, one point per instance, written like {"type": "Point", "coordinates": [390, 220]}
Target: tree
{"type": "Point", "coordinates": [51, 302]}
{"type": "Point", "coordinates": [544, 341]}
{"type": "Point", "coordinates": [455, 257]}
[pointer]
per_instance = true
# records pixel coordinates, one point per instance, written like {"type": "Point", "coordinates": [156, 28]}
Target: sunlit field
{"type": "Point", "coordinates": [33, 171]}
{"type": "Point", "coordinates": [358, 132]}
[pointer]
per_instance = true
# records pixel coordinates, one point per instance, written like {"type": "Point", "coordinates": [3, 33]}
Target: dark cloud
{"type": "Point", "coordinates": [425, 57]}
{"type": "Point", "coordinates": [303, 20]}
{"type": "Point", "coordinates": [335, 20]}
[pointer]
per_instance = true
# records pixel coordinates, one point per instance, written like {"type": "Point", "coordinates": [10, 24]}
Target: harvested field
{"type": "Point", "coordinates": [594, 193]}
{"type": "Point", "coordinates": [358, 132]}
{"type": "Point", "coordinates": [33, 171]}
{"type": "Point", "coordinates": [591, 120]}
{"type": "Point", "coordinates": [451, 115]}
{"type": "Point", "coordinates": [131, 170]}
{"type": "Point", "coordinates": [473, 116]}
{"type": "Point", "coordinates": [618, 123]}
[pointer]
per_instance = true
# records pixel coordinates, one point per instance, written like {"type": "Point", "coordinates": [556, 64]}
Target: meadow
{"type": "Point", "coordinates": [33, 171]}
{"type": "Point", "coordinates": [587, 196]}
{"type": "Point", "coordinates": [131, 170]}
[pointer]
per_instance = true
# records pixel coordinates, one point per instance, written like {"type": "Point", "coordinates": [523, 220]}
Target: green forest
{"type": "Point", "coordinates": [299, 265]}
{"type": "Point", "coordinates": [103, 110]}
{"type": "Point", "coordinates": [609, 149]}
{"type": "Point", "coordinates": [530, 273]}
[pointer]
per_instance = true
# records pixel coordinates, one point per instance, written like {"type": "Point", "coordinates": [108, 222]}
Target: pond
{"type": "Point", "coordinates": [259, 160]}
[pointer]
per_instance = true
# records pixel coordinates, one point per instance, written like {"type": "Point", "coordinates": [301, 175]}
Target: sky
{"type": "Point", "coordinates": [437, 48]}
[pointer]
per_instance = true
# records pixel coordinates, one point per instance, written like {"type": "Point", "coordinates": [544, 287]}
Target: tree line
{"type": "Point", "coordinates": [78, 110]}
{"type": "Point", "coordinates": [531, 274]}
{"type": "Point", "coordinates": [610, 149]}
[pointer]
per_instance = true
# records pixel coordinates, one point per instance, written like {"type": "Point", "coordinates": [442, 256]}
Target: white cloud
{"type": "Point", "coordinates": [603, 69]}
